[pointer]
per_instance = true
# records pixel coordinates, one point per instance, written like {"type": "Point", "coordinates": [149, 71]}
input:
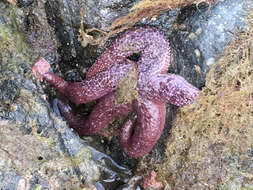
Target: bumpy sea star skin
{"type": "Point", "coordinates": [103, 113]}
{"type": "Point", "coordinates": [150, 42]}
{"type": "Point", "coordinates": [154, 86]}
{"type": "Point", "coordinates": [92, 88]}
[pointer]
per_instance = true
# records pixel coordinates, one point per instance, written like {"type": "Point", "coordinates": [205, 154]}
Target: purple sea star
{"type": "Point", "coordinates": [154, 87]}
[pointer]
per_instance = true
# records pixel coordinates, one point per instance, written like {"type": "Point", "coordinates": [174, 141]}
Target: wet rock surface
{"type": "Point", "coordinates": [39, 34]}
{"type": "Point", "coordinates": [191, 34]}
{"type": "Point", "coordinates": [31, 160]}
{"type": "Point", "coordinates": [211, 140]}
{"type": "Point", "coordinates": [38, 150]}
{"type": "Point", "coordinates": [32, 156]}
{"type": "Point", "coordinates": [24, 3]}
{"type": "Point", "coordinates": [203, 34]}
{"type": "Point", "coordinates": [66, 18]}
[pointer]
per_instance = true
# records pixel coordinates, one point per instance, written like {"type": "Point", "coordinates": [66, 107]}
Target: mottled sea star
{"type": "Point", "coordinates": [154, 87]}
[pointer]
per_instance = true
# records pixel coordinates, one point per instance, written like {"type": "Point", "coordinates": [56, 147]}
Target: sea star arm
{"type": "Point", "coordinates": [170, 88]}
{"type": "Point", "coordinates": [92, 88]}
{"type": "Point", "coordinates": [150, 123]}
{"type": "Point", "coordinates": [102, 114]}
{"type": "Point", "coordinates": [148, 41]}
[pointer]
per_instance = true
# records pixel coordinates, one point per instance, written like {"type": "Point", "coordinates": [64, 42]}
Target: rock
{"type": "Point", "coordinates": [66, 17]}
{"type": "Point", "coordinates": [211, 140]}
{"type": "Point", "coordinates": [32, 160]}
{"type": "Point", "coordinates": [39, 34]}
{"type": "Point", "coordinates": [202, 35]}
{"type": "Point", "coordinates": [193, 31]}
{"type": "Point", "coordinates": [48, 155]}
{"type": "Point", "coordinates": [37, 148]}
{"type": "Point", "coordinates": [24, 3]}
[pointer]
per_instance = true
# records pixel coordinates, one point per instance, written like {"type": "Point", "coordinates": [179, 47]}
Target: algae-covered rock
{"type": "Point", "coordinates": [211, 140]}
{"type": "Point", "coordinates": [37, 149]}
{"type": "Point", "coordinates": [194, 29]}
{"type": "Point", "coordinates": [12, 47]}
{"type": "Point", "coordinates": [31, 160]}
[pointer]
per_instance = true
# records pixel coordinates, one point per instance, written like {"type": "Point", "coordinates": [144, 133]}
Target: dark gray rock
{"type": "Point", "coordinates": [65, 18]}
{"type": "Point", "coordinates": [24, 3]}
{"type": "Point", "coordinates": [8, 90]}
{"type": "Point", "coordinates": [37, 149]}
{"type": "Point", "coordinates": [204, 35]}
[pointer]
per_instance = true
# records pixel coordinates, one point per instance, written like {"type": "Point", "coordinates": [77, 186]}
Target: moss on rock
{"type": "Point", "coordinates": [211, 140]}
{"type": "Point", "coordinates": [13, 47]}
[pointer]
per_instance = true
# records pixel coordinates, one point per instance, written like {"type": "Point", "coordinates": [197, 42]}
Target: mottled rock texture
{"type": "Point", "coordinates": [197, 36]}
{"type": "Point", "coordinates": [211, 140]}
{"type": "Point", "coordinates": [37, 149]}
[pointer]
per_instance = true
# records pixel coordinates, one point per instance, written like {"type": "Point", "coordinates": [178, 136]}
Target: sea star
{"type": "Point", "coordinates": [151, 88]}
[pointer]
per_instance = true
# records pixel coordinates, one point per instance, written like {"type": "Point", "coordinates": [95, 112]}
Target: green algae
{"type": "Point", "coordinates": [37, 152]}
{"type": "Point", "coordinates": [13, 47]}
